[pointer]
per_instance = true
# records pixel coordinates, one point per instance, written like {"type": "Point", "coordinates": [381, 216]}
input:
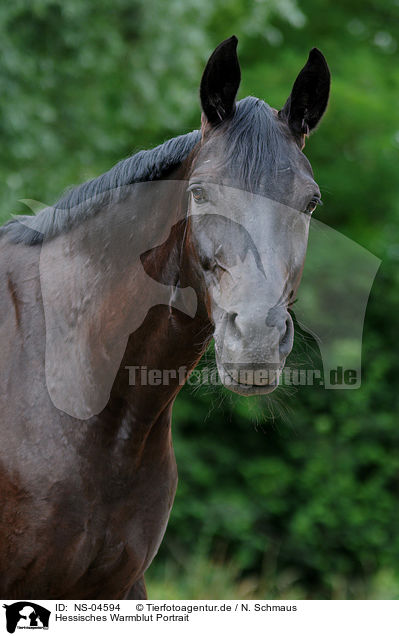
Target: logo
{"type": "Point", "coordinates": [26, 615]}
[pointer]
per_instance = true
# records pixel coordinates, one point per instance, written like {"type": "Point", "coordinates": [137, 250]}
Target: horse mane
{"type": "Point", "coordinates": [252, 145]}
{"type": "Point", "coordinates": [146, 165]}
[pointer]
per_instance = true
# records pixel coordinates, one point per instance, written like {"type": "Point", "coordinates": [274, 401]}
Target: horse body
{"type": "Point", "coordinates": [85, 496]}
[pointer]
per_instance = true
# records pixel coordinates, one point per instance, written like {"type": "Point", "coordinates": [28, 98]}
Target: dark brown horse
{"type": "Point", "coordinates": [203, 236]}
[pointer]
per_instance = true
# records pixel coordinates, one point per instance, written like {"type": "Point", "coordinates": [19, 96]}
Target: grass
{"type": "Point", "coordinates": [201, 577]}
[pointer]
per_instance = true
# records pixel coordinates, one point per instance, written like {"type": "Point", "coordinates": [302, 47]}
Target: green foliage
{"type": "Point", "coordinates": [296, 494]}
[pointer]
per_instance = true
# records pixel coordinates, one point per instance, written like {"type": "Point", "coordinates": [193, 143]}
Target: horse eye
{"type": "Point", "coordinates": [198, 193]}
{"type": "Point", "coordinates": [312, 205]}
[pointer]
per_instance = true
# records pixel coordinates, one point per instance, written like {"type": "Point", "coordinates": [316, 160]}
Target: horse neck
{"type": "Point", "coordinates": [169, 342]}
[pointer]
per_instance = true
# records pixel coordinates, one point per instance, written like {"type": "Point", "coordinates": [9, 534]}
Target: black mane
{"type": "Point", "coordinates": [252, 140]}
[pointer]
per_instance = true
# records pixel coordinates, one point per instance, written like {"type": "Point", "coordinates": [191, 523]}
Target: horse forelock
{"type": "Point", "coordinates": [249, 147]}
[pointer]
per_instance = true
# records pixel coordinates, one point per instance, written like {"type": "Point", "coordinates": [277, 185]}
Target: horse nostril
{"type": "Point", "coordinates": [233, 322]}
{"type": "Point", "coordinates": [286, 331]}
{"type": "Point", "coordinates": [287, 338]}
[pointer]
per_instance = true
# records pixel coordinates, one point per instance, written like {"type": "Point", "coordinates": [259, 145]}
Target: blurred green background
{"type": "Point", "coordinates": [296, 495]}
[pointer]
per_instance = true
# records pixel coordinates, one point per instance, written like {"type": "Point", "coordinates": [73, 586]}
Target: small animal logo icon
{"type": "Point", "coordinates": [26, 615]}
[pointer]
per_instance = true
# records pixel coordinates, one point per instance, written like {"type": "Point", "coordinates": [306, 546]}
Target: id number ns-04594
{"type": "Point", "coordinates": [94, 607]}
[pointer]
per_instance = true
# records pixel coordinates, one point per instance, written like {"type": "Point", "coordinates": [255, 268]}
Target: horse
{"type": "Point", "coordinates": [139, 269]}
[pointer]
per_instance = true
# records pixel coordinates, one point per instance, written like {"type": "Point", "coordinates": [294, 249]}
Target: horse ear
{"type": "Point", "coordinates": [220, 82]}
{"type": "Point", "coordinates": [309, 97]}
